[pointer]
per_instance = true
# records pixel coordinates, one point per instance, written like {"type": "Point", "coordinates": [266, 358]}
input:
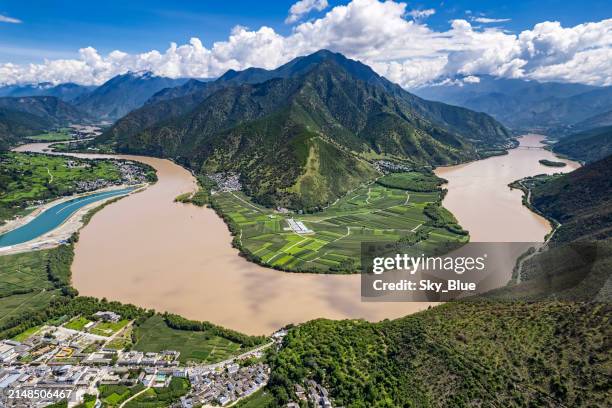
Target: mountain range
{"type": "Point", "coordinates": [66, 92]}
{"type": "Point", "coordinates": [586, 146]}
{"type": "Point", "coordinates": [25, 116]}
{"type": "Point", "coordinates": [305, 133]}
{"type": "Point", "coordinates": [527, 105]}
{"type": "Point", "coordinates": [122, 94]}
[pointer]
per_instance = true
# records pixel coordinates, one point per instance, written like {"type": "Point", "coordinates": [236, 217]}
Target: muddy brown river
{"type": "Point", "coordinates": [148, 250]}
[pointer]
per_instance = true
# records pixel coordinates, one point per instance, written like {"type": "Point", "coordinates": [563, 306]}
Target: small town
{"type": "Point", "coordinates": [131, 174]}
{"type": "Point", "coordinates": [225, 182]}
{"type": "Point", "coordinates": [75, 360]}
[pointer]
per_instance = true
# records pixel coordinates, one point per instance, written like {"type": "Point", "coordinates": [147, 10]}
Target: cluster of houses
{"type": "Point", "coordinates": [131, 174]}
{"type": "Point", "coordinates": [68, 364]}
{"type": "Point", "coordinates": [386, 166]}
{"type": "Point", "coordinates": [72, 363]}
{"type": "Point", "coordinates": [226, 182]}
{"type": "Point", "coordinates": [84, 131]}
{"type": "Point", "coordinates": [226, 385]}
{"type": "Point", "coordinates": [316, 395]}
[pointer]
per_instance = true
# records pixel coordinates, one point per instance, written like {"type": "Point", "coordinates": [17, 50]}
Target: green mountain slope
{"type": "Point", "coordinates": [580, 201]}
{"type": "Point", "coordinates": [461, 354]}
{"type": "Point", "coordinates": [279, 134]}
{"type": "Point", "coordinates": [489, 351]}
{"type": "Point", "coordinates": [25, 116]}
{"type": "Point", "coordinates": [588, 146]}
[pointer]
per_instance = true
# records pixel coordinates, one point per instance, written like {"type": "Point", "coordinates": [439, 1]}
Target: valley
{"type": "Point", "coordinates": [211, 282]}
{"type": "Point", "coordinates": [182, 241]}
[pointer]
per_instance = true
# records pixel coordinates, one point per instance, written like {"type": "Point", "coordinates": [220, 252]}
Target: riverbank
{"type": "Point", "coordinates": [62, 233]}
{"type": "Point", "coordinates": [179, 258]}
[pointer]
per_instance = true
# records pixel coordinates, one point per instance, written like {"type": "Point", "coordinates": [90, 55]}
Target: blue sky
{"type": "Point", "coordinates": [411, 43]}
{"type": "Point", "coordinates": [57, 29]}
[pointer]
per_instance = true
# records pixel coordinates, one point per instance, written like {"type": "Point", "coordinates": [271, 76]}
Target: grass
{"type": "Point", "coordinates": [161, 397]}
{"type": "Point", "coordinates": [25, 272]}
{"type": "Point", "coordinates": [154, 335]}
{"type": "Point", "coordinates": [26, 334]}
{"type": "Point", "coordinates": [77, 323]}
{"type": "Point", "coordinates": [259, 399]}
{"type": "Point", "coordinates": [370, 213]}
{"type": "Point", "coordinates": [114, 395]}
{"type": "Point", "coordinates": [24, 287]}
{"type": "Point", "coordinates": [108, 328]}
{"type": "Point", "coordinates": [121, 341]}
{"type": "Point", "coordinates": [58, 136]}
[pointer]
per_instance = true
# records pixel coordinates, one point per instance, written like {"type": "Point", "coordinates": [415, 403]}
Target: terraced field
{"type": "Point", "coordinates": [333, 244]}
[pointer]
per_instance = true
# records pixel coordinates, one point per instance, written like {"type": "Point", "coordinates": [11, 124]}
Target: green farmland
{"type": "Point", "coordinates": [26, 178]}
{"type": "Point", "coordinates": [200, 346]}
{"type": "Point", "coordinates": [370, 213]}
{"type": "Point", "coordinates": [58, 136]}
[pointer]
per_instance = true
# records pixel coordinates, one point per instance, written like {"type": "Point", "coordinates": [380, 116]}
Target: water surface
{"type": "Point", "coordinates": [53, 217]}
{"type": "Point", "coordinates": [148, 250]}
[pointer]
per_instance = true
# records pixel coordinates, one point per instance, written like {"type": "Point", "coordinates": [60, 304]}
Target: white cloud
{"type": "Point", "coordinates": [421, 14]}
{"type": "Point", "coordinates": [7, 19]}
{"type": "Point", "coordinates": [303, 7]}
{"type": "Point", "coordinates": [380, 34]}
{"type": "Point", "coordinates": [486, 20]}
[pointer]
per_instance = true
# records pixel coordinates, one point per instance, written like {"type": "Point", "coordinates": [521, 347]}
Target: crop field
{"type": "Point", "coordinates": [59, 136]}
{"type": "Point", "coordinates": [154, 335]}
{"type": "Point", "coordinates": [24, 287]}
{"type": "Point", "coordinates": [333, 242]}
{"type": "Point", "coordinates": [25, 178]}
{"type": "Point", "coordinates": [23, 273]}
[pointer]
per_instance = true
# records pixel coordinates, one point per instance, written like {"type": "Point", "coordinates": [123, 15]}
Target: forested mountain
{"type": "Point", "coordinates": [122, 94]}
{"type": "Point", "coordinates": [522, 104]}
{"type": "Point", "coordinates": [587, 146]}
{"type": "Point", "coordinates": [66, 92]}
{"type": "Point", "coordinates": [581, 201]}
{"type": "Point", "coordinates": [301, 138]}
{"type": "Point", "coordinates": [592, 122]}
{"type": "Point", "coordinates": [26, 116]}
{"type": "Point", "coordinates": [474, 352]}
{"type": "Point", "coordinates": [15, 125]}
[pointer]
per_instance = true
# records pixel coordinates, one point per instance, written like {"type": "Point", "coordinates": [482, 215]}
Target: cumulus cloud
{"type": "Point", "coordinates": [380, 34]}
{"type": "Point", "coordinates": [486, 20]}
{"type": "Point", "coordinates": [7, 19]}
{"type": "Point", "coordinates": [421, 14]}
{"type": "Point", "coordinates": [303, 7]}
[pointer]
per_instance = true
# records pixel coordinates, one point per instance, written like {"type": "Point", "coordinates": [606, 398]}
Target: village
{"type": "Point", "coordinates": [74, 360]}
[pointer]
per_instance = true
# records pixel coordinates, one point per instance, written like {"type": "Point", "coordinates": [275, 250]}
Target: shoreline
{"type": "Point", "coordinates": [67, 228]}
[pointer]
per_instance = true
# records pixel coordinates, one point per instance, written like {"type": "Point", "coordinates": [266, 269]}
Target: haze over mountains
{"type": "Point", "coordinates": [302, 137]}
{"type": "Point", "coordinates": [525, 105]}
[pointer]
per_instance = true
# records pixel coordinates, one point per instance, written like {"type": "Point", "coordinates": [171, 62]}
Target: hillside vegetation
{"type": "Point", "coordinates": [21, 117]}
{"type": "Point", "coordinates": [540, 342]}
{"type": "Point", "coordinates": [305, 135]}
{"type": "Point", "coordinates": [580, 201]}
{"type": "Point", "coordinates": [461, 354]}
{"type": "Point", "coordinates": [587, 146]}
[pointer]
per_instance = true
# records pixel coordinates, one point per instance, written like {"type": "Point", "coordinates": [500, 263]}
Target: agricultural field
{"type": "Point", "coordinates": [28, 178]}
{"type": "Point", "coordinates": [332, 241]}
{"type": "Point", "coordinates": [200, 346]}
{"type": "Point", "coordinates": [56, 136]}
{"type": "Point", "coordinates": [24, 287]}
